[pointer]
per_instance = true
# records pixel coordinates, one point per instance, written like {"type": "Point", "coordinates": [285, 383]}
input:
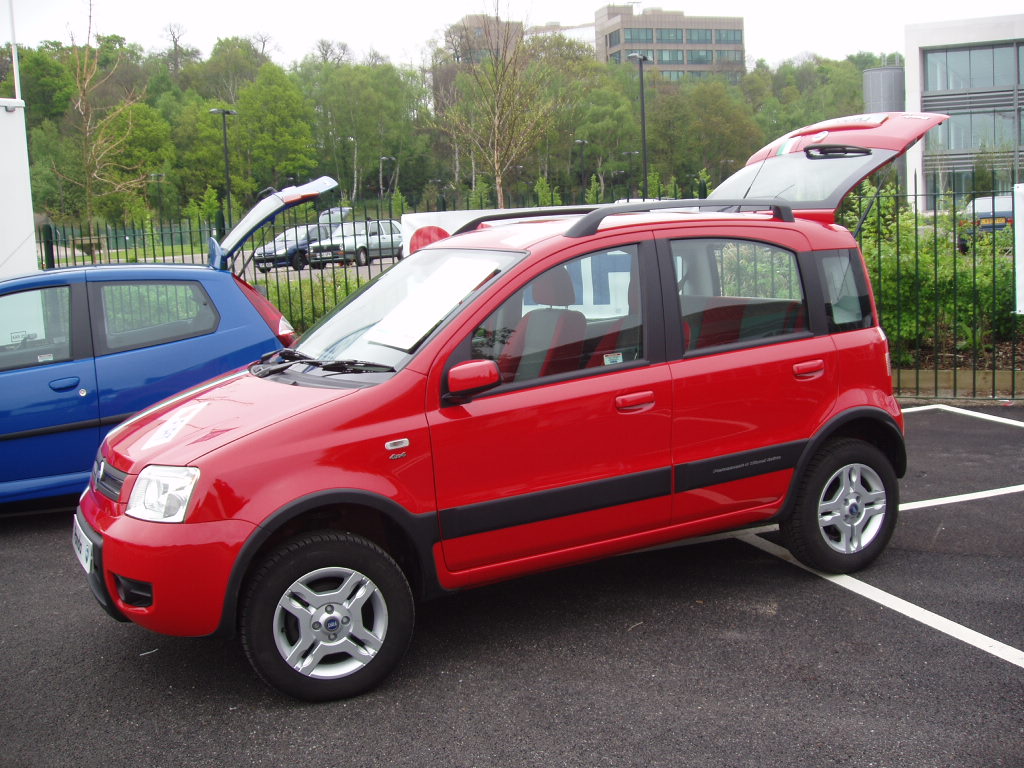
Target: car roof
{"type": "Point", "coordinates": [527, 231]}
{"type": "Point", "coordinates": [113, 272]}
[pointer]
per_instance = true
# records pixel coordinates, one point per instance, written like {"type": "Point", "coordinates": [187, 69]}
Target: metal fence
{"type": "Point", "coordinates": [944, 283]}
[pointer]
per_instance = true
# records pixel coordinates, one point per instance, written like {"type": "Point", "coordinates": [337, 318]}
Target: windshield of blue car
{"type": "Point", "coordinates": [387, 320]}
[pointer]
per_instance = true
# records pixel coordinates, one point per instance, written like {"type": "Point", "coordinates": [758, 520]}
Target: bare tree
{"type": "Point", "coordinates": [103, 124]}
{"type": "Point", "coordinates": [498, 106]}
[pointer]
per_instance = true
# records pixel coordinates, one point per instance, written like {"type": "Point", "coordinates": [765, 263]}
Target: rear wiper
{"type": "Point", "coordinates": [288, 357]}
{"type": "Point", "coordinates": [830, 151]}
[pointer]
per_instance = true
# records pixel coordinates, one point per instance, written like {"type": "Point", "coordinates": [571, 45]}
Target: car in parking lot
{"type": "Point", "coordinates": [83, 348]}
{"type": "Point", "coordinates": [290, 248]}
{"type": "Point", "coordinates": [359, 242]}
{"type": "Point", "coordinates": [521, 396]}
{"type": "Point", "coordinates": [983, 215]}
{"type": "Point", "coordinates": [989, 213]}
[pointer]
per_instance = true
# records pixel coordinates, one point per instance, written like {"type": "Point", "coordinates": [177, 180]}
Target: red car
{"type": "Point", "coordinates": [518, 397]}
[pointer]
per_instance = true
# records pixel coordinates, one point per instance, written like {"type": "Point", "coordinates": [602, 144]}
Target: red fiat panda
{"type": "Point", "coordinates": [517, 397]}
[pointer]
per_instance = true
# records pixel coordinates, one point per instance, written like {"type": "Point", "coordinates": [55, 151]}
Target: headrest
{"type": "Point", "coordinates": [554, 288]}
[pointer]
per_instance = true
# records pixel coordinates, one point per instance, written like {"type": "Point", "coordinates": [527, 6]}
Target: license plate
{"type": "Point", "coordinates": [81, 544]}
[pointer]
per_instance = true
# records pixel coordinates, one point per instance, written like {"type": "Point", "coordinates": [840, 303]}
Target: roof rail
{"type": "Point", "coordinates": [559, 210]}
{"type": "Point", "coordinates": [589, 224]}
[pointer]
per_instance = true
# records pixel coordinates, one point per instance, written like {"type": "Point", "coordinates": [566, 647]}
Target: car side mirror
{"type": "Point", "coordinates": [471, 378]}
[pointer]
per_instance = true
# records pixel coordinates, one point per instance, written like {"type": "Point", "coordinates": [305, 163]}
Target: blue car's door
{"type": "Point", "coordinates": [49, 426]}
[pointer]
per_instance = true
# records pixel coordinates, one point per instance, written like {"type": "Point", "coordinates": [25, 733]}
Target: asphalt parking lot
{"type": "Point", "coordinates": [718, 653]}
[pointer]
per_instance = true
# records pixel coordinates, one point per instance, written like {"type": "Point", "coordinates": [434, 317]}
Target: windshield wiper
{"type": "Point", "coordinates": [288, 357]}
{"type": "Point", "coordinates": [830, 151]}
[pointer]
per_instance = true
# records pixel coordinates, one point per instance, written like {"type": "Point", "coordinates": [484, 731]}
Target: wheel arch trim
{"type": "Point", "coordinates": [420, 531]}
{"type": "Point", "coordinates": [887, 437]}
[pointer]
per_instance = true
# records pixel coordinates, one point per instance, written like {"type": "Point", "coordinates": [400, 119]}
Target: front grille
{"type": "Point", "coordinates": [108, 480]}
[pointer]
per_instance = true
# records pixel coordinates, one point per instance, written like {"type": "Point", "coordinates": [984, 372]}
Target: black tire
{"type": "Point", "coordinates": [264, 270]}
{"type": "Point", "coordinates": [845, 510]}
{"type": "Point", "coordinates": [362, 257]}
{"type": "Point", "coordinates": [299, 261]}
{"type": "Point", "coordinates": [347, 642]}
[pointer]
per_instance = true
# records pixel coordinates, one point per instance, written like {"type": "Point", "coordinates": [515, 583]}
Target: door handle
{"type": "Point", "coordinates": [810, 369]}
{"type": "Point", "coordinates": [634, 401]}
{"type": "Point", "coordinates": [63, 385]}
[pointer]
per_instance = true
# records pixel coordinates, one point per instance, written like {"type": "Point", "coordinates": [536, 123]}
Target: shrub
{"type": "Point", "coordinates": [306, 300]}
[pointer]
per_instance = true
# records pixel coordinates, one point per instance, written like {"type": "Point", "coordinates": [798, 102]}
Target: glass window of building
{"type": "Point", "coordinates": [728, 36]}
{"type": "Point", "coordinates": [699, 56]}
{"type": "Point", "coordinates": [1004, 70]}
{"type": "Point", "coordinates": [614, 38]}
{"type": "Point", "coordinates": [729, 57]}
{"type": "Point", "coordinates": [960, 132]}
{"type": "Point", "coordinates": [670, 35]}
{"type": "Point", "coordinates": [673, 75]}
{"type": "Point", "coordinates": [981, 68]}
{"type": "Point", "coordinates": [958, 67]}
{"type": "Point", "coordinates": [631, 35]}
{"type": "Point", "coordinates": [698, 35]}
{"type": "Point", "coordinates": [1004, 136]}
{"type": "Point", "coordinates": [983, 130]}
{"type": "Point", "coordinates": [935, 72]}
{"type": "Point", "coordinates": [670, 56]}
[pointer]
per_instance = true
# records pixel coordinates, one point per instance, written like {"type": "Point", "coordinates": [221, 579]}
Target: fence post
{"type": "Point", "coordinates": [48, 238]}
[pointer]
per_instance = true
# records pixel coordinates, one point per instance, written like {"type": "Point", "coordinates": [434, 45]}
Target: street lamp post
{"type": "Point", "coordinates": [355, 165]}
{"type": "Point", "coordinates": [583, 184]}
{"type": "Point", "coordinates": [640, 58]}
{"type": "Point", "coordinates": [629, 177]}
{"type": "Point", "coordinates": [227, 163]}
{"type": "Point", "coordinates": [380, 174]}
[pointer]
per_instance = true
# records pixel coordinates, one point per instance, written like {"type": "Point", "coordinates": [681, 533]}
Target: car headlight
{"type": "Point", "coordinates": [161, 494]}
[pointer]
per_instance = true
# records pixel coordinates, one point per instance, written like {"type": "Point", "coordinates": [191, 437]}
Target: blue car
{"type": "Point", "coordinates": [84, 348]}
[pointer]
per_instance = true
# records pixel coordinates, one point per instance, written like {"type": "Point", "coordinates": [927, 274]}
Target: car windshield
{"type": "Point", "coordinates": [807, 181]}
{"type": "Point", "coordinates": [988, 205]}
{"type": "Point", "coordinates": [349, 229]}
{"type": "Point", "coordinates": [386, 321]}
{"type": "Point", "coordinates": [293, 235]}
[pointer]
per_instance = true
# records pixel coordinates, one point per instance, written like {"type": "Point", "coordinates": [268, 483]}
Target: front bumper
{"type": "Point", "coordinates": [171, 578]}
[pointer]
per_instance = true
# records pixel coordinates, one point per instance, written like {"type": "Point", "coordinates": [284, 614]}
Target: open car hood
{"type": "Point", "coordinates": [814, 168]}
{"type": "Point", "coordinates": [261, 213]}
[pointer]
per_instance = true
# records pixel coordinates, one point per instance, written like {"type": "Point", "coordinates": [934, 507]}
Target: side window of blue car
{"type": "Point", "coordinates": [35, 327]}
{"type": "Point", "coordinates": [143, 314]}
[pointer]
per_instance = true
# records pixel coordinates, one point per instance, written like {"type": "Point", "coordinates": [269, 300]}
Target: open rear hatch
{"type": "Point", "coordinates": [814, 168]}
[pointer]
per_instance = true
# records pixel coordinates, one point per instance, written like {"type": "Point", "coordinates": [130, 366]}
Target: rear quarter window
{"type": "Point", "coordinates": [847, 299]}
{"type": "Point", "coordinates": [145, 313]}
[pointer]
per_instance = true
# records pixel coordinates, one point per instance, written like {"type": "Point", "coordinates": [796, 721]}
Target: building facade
{"type": "Point", "coordinates": [676, 45]}
{"type": "Point", "coordinates": [972, 70]}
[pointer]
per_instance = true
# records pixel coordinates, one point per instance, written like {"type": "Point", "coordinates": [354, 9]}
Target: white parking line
{"type": "Point", "coordinates": [929, 619]}
{"type": "Point", "coordinates": [910, 505]}
{"type": "Point", "coordinates": [965, 412]}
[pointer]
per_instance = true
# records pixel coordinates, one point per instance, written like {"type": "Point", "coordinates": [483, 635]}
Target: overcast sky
{"type": "Point", "coordinates": [402, 29]}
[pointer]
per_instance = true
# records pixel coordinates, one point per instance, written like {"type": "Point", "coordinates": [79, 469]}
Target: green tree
{"type": "Point", "coordinates": [274, 131]}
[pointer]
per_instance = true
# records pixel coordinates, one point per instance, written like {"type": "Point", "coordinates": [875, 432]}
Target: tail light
{"type": "Point", "coordinates": [271, 315]}
{"type": "Point", "coordinates": [424, 236]}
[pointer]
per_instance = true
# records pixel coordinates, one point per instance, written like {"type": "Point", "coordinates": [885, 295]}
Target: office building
{"type": "Point", "coordinates": [676, 44]}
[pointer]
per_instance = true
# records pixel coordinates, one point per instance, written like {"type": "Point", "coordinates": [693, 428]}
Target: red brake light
{"type": "Point", "coordinates": [424, 236]}
{"type": "Point", "coordinates": [271, 315]}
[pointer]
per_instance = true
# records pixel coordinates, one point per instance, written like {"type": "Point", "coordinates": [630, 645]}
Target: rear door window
{"type": "Point", "coordinates": [737, 292]}
{"type": "Point", "coordinates": [142, 314]}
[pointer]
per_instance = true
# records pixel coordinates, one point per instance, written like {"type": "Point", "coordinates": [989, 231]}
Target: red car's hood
{"type": "Point", "coordinates": [179, 430]}
{"type": "Point", "coordinates": [815, 167]}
